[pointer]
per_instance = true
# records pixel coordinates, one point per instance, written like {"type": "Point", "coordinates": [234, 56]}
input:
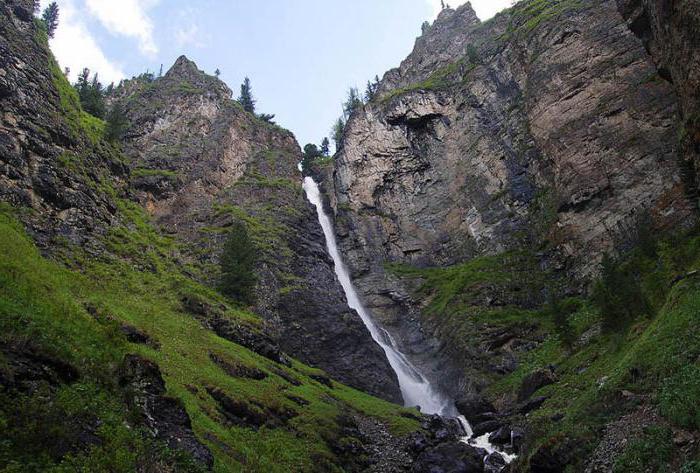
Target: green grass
{"type": "Point", "coordinates": [43, 302]}
{"type": "Point", "coordinates": [145, 172]}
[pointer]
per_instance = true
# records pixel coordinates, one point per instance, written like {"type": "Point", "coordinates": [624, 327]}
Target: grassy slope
{"type": "Point", "coordinates": [43, 306]}
{"type": "Point", "coordinates": [656, 358]}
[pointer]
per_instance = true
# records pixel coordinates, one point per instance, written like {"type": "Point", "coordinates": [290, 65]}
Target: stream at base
{"type": "Point", "coordinates": [415, 388]}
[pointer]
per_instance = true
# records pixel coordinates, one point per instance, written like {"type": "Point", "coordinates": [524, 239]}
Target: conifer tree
{"type": "Point", "coordinates": [217, 72]}
{"type": "Point", "coordinates": [50, 18]}
{"type": "Point", "coordinates": [352, 103]}
{"type": "Point", "coordinates": [337, 132]}
{"type": "Point", "coordinates": [237, 262]}
{"type": "Point", "coordinates": [246, 98]}
{"type": "Point", "coordinates": [117, 123]}
{"type": "Point", "coordinates": [325, 147]}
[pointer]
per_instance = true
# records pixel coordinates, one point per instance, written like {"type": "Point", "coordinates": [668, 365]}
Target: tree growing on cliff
{"type": "Point", "coordinates": [50, 18]}
{"type": "Point", "coordinates": [372, 88]}
{"type": "Point", "coordinates": [117, 123]}
{"type": "Point", "coordinates": [425, 27]}
{"type": "Point", "coordinates": [352, 103]}
{"type": "Point", "coordinates": [325, 147]}
{"type": "Point", "coordinates": [91, 93]}
{"type": "Point", "coordinates": [618, 295]}
{"type": "Point", "coordinates": [237, 263]}
{"type": "Point", "coordinates": [337, 132]}
{"type": "Point", "coordinates": [246, 98]}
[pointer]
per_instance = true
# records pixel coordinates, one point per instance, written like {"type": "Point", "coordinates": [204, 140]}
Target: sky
{"type": "Point", "coordinates": [300, 55]}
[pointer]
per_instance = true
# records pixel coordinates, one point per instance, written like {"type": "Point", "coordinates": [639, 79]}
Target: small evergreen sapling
{"type": "Point", "coordinates": [50, 17]}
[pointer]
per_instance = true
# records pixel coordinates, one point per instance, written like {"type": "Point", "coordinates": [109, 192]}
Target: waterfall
{"type": "Point", "coordinates": [415, 388]}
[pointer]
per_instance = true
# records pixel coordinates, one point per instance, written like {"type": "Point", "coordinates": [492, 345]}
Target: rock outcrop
{"type": "Point", "coordinates": [200, 163]}
{"type": "Point", "coordinates": [549, 127]}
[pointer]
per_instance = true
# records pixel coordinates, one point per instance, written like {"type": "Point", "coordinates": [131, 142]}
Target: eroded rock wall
{"type": "Point", "coordinates": [548, 128]}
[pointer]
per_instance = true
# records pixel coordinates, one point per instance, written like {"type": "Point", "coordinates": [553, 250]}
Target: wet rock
{"type": "Point", "coordinates": [486, 427]}
{"type": "Point", "coordinates": [164, 416]}
{"type": "Point", "coordinates": [501, 436]}
{"type": "Point", "coordinates": [494, 463]}
{"type": "Point", "coordinates": [473, 405]}
{"type": "Point", "coordinates": [453, 457]}
{"type": "Point", "coordinates": [533, 382]}
{"type": "Point", "coordinates": [517, 439]}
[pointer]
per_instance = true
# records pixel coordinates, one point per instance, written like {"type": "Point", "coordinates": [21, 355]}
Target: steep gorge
{"type": "Point", "coordinates": [496, 167]}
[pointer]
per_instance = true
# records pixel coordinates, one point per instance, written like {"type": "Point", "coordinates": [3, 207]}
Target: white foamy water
{"type": "Point", "coordinates": [415, 388]}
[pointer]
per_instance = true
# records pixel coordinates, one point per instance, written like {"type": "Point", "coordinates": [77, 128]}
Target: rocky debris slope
{"type": "Point", "coordinates": [548, 128]}
{"type": "Point", "coordinates": [201, 163]}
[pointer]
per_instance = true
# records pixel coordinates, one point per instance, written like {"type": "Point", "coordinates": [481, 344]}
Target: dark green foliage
{"type": "Point", "coordinates": [238, 260]}
{"type": "Point", "coordinates": [117, 123]}
{"type": "Point", "coordinates": [91, 94]}
{"type": "Point", "coordinates": [311, 152]}
{"type": "Point", "coordinates": [267, 117]}
{"type": "Point", "coordinates": [325, 147]}
{"type": "Point", "coordinates": [473, 54]}
{"type": "Point", "coordinates": [560, 312]}
{"type": "Point", "coordinates": [246, 98]}
{"type": "Point", "coordinates": [619, 296]}
{"type": "Point", "coordinates": [352, 103]}
{"type": "Point", "coordinates": [337, 132]}
{"type": "Point", "coordinates": [50, 18]}
{"type": "Point", "coordinates": [372, 89]}
{"type": "Point", "coordinates": [680, 398]}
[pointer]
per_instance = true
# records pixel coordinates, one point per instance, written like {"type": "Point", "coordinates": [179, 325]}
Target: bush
{"type": "Point", "coordinates": [619, 297]}
{"type": "Point", "coordinates": [238, 260]}
{"type": "Point", "coordinates": [559, 311]}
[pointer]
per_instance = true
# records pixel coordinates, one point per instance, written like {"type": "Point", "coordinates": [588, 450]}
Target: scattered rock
{"type": "Point", "coordinates": [137, 336]}
{"type": "Point", "coordinates": [237, 370]}
{"type": "Point", "coordinates": [456, 457]}
{"type": "Point", "coordinates": [164, 416]}
{"type": "Point", "coordinates": [533, 382]}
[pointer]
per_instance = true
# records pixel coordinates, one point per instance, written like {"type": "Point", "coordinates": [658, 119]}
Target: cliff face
{"type": "Point", "coordinates": [547, 128]}
{"type": "Point", "coordinates": [199, 162]}
{"type": "Point", "coordinates": [669, 32]}
{"type": "Point", "coordinates": [116, 353]}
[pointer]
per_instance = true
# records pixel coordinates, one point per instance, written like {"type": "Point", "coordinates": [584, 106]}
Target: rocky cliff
{"type": "Point", "coordinates": [199, 163]}
{"type": "Point", "coordinates": [548, 128]}
{"type": "Point", "coordinates": [116, 351]}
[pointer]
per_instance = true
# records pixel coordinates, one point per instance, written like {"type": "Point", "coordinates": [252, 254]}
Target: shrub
{"type": "Point", "coordinates": [559, 312]}
{"type": "Point", "coordinates": [238, 260]}
{"type": "Point", "coordinates": [619, 296]}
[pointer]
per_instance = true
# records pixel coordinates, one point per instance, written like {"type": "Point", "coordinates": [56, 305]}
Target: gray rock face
{"type": "Point", "coordinates": [669, 31]}
{"type": "Point", "coordinates": [40, 148]}
{"type": "Point", "coordinates": [548, 129]}
{"type": "Point", "coordinates": [200, 162]}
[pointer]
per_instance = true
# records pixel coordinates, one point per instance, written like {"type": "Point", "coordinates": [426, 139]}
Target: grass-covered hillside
{"type": "Point", "coordinates": [79, 315]}
{"type": "Point", "coordinates": [625, 362]}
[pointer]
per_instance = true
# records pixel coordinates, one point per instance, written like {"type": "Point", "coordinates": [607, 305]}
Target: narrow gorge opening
{"type": "Point", "coordinates": [416, 389]}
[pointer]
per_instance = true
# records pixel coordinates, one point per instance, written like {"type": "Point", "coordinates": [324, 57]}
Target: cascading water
{"type": "Point", "coordinates": [415, 388]}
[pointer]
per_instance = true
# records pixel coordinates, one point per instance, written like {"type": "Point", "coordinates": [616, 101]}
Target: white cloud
{"type": "Point", "coordinates": [127, 18]}
{"type": "Point", "coordinates": [484, 9]}
{"type": "Point", "coordinates": [75, 48]}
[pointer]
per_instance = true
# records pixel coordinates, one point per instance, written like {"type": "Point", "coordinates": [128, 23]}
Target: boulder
{"type": "Point", "coordinates": [501, 436]}
{"type": "Point", "coordinates": [534, 382]}
{"type": "Point", "coordinates": [453, 457]}
{"type": "Point", "coordinates": [486, 427]}
{"type": "Point", "coordinates": [494, 463]}
{"type": "Point", "coordinates": [472, 405]}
